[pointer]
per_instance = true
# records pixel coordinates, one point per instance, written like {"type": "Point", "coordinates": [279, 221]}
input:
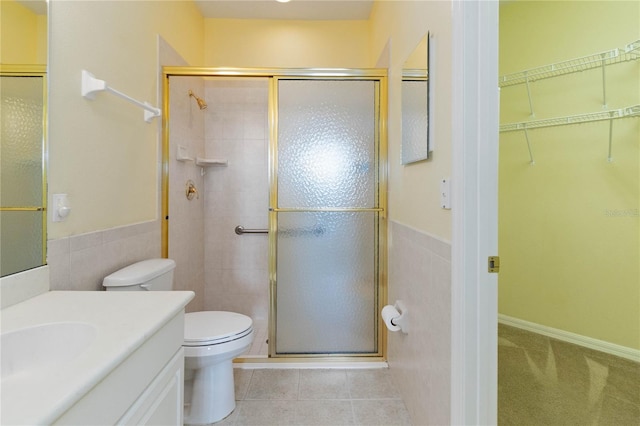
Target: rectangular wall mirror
{"type": "Point", "coordinates": [415, 104]}
{"type": "Point", "coordinates": [23, 118]}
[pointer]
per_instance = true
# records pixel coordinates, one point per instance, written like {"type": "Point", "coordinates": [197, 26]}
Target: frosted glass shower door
{"type": "Point", "coordinates": [325, 216]}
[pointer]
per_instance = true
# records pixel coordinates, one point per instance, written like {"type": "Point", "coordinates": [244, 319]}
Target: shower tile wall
{"type": "Point", "coordinates": [186, 240]}
{"type": "Point", "coordinates": [236, 129]}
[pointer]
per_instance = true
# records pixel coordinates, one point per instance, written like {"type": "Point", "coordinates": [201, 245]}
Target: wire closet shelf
{"type": "Point", "coordinates": [628, 53]}
{"type": "Point", "coordinates": [632, 111]}
{"type": "Point", "coordinates": [599, 60]}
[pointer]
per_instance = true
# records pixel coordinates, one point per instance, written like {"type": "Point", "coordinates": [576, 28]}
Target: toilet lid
{"type": "Point", "coordinates": [212, 327]}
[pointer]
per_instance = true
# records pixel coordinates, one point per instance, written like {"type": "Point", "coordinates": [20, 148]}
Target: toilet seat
{"type": "Point", "coordinates": [209, 328]}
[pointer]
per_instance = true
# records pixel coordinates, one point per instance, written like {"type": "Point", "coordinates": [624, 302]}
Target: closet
{"type": "Point", "coordinates": [601, 61]}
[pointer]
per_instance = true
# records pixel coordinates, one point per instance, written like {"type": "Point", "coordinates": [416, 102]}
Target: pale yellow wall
{"type": "Point", "coordinates": [568, 228]}
{"type": "Point", "coordinates": [101, 152]}
{"type": "Point", "coordinates": [414, 190]}
{"type": "Point", "coordinates": [42, 49]}
{"type": "Point", "coordinates": [286, 43]}
{"type": "Point", "coordinates": [23, 36]}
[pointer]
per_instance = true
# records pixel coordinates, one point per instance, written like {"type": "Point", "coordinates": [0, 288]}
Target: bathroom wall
{"type": "Point", "coordinates": [80, 262]}
{"type": "Point", "coordinates": [419, 230]}
{"type": "Point", "coordinates": [287, 43]}
{"type": "Point", "coordinates": [236, 270]}
{"type": "Point", "coordinates": [569, 225]}
{"type": "Point", "coordinates": [102, 153]}
{"type": "Point", "coordinates": [414, 189]}
{"type": "Point", "coordinates": [24, 35]}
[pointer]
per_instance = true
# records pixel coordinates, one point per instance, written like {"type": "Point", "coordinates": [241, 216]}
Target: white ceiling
{"type": "Point", "coordinates": [295, 9]}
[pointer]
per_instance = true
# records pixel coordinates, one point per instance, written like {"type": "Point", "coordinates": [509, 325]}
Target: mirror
{"type": "Point", "coordinates": [23, 105]}
{"type": "Point", "coordinates": [415, 104]}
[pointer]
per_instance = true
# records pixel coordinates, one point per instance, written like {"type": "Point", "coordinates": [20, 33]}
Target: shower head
{"type": "Point", "coordinates": [201, 103]}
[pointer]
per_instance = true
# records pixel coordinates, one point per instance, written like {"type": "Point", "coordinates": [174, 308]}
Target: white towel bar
{"type": "Point", "coordinates": [91, 85]}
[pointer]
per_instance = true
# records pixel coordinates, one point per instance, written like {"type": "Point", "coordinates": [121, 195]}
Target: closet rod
{"type": "Point", "coordinates": [92, 85]}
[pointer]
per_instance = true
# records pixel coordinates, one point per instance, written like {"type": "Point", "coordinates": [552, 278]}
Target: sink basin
{"type": "Point", "coordinates": [32, 349]}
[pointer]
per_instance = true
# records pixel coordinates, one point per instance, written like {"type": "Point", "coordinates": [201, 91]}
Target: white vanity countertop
{"type": "Point", "coordinates": [124, 321]}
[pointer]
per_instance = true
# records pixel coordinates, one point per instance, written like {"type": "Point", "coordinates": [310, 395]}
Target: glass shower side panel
{"type": "Point", "coordinates": [327, 282]}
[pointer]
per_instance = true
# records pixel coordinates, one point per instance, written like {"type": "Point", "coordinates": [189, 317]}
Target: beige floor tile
{"type": "Point", "coordinates": [324, 412]}
{"type": "Point", "coordinates": [265, 413]}
{"type": "Point", "coordinates": [241, 380]}
{"type": "Point", "coordinates": [387, 412]}
{"type": "Point", "coordinates": [323, 384]}
{"type": "Point", "coordinates": [371, 384]}
{"type": "Point", "coordinates": [273, 384]}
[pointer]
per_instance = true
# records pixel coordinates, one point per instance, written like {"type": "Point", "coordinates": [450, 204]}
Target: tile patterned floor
{"type": "Point", "coordinates": [328, 397]}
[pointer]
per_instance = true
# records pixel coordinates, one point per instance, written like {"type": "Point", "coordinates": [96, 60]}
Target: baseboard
{"type": "Point", "coordinates": [576, 339]}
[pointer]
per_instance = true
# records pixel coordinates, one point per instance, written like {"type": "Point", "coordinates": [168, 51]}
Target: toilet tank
{"type": "Point", "coordinates": [147, 275]}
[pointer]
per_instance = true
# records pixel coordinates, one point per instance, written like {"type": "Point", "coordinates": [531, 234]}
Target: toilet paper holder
{"type": "Point", "coordinates": [395, 317]}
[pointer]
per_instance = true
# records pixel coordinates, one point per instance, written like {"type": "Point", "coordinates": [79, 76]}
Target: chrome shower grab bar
{"type": "Point", "coordinates": [315, 231]}
{"type": "Point", "coordinates": [240, 230]}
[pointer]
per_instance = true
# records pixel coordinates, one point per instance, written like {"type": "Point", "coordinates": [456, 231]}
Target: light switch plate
{"type": "Point", "coordinates": [445, 193]}
{"type": "Point", "coordinates": [59, 207]}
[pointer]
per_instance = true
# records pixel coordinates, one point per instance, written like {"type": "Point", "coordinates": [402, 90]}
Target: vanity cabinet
{"type": "Point", "coordinates": [147, 388]}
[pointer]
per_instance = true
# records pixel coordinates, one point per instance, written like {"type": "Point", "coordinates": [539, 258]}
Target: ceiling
{"type": "Point", "coordinates": [295, 9]}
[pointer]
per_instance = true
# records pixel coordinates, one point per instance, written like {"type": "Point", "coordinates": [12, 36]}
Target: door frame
{"type": "Point", "coordinates": [475, 112]}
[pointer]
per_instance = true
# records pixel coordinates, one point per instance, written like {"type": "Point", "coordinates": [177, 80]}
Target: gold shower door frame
{"type": "Point", "coordinates": [29, 70]}
{"type": "Point", "coordinates": [379, 77]}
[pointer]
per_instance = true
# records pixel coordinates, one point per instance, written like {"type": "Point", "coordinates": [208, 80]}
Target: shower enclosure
{"type": "Point", "coordinates": [297, 158]}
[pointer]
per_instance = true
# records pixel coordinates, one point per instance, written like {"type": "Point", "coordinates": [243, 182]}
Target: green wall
{"type": "Point", "coordinates": [569, 235]}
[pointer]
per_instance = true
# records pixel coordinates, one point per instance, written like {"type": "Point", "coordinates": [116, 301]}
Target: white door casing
{"type": "Point", "coordinates": [474, 182]}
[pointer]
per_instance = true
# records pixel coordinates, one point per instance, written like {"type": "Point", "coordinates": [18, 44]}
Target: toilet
{"type": "Point", "coordinates": [211, 340]}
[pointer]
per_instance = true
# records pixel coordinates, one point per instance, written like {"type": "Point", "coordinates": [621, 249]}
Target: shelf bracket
{"type": "Point", "coordinates": [609, 157]}
{"type": "Point", "coordinates": [526, 136]}
{"type": "Point", "coordinates": [604, 81]}
{"type": "Point", "coordinates": [529, 95]}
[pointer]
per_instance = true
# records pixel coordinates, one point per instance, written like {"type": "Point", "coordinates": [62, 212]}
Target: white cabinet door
{"type": "Point", "coordinates": [162, 402]}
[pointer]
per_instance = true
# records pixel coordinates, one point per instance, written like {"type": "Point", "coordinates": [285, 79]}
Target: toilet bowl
{"type": "Point", "coordinates": [211, 340]}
